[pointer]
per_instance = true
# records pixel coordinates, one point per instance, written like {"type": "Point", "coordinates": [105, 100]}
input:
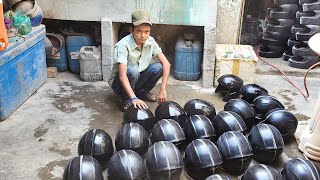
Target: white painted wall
{"type": "Point", "coordinates": [179, 12]}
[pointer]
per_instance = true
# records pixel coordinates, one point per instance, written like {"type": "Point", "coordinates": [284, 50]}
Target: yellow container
{"type": "Point", "coordinates": [239, 60]}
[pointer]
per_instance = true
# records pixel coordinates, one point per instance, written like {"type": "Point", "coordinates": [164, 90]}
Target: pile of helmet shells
{"type": "Point", "coordinates": [196, 139]}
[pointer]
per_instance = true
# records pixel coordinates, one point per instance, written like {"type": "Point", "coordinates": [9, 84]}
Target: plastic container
{"type": "Point", "coordinates": [22, 70]}
{"type": "Point", "coordinates": [188, 59]}
{"type": "Point", "coordinates": [74, 44]}
{"type": "Point", "coordinates": [36, 16]}
{"type": "Point", "coordinates": [58, 57]}
{"type": "Point", "coordinates": [3, 32]}
{"type": "Point", "coordinates": [90, 63]}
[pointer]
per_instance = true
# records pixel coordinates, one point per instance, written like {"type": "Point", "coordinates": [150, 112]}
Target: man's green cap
{"type": "Point", "coordinates": [140, 16]}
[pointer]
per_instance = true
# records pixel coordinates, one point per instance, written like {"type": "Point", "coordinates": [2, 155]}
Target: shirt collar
{"type": "Point", "coordinates": [134, 45]}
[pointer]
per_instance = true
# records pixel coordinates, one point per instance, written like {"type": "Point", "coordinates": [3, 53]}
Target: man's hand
{"type": "Point", "coordinates": [165, 76]}
{"type": "Point", "coordinates": [138, 103]}
{"type": "Point", "coordinates": [162, 96]}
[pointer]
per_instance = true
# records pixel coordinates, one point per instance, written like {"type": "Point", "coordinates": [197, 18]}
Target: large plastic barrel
{"type": "Point", "coordinates": [90, 63]}
{"type": "Point", "coordinates": [58, 56]}
{"type": "Point", "coordinates": [74, 44]}
{"type": "Point", "coordinates": [188, 58]}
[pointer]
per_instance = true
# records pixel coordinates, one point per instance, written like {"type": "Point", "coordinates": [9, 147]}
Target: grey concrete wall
{"type": "Point", "coordinates": [107, 43]}
{"type": "Point", "coordinates": [229, 21]}
{"type": "Point", "coordinates": [208, 63]}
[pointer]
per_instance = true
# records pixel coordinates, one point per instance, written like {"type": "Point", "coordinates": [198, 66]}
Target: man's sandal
{"type": "Point", "coordinates": [148, 96]}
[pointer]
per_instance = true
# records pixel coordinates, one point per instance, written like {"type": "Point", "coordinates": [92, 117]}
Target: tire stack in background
{"type": "Point", "coordinates": [279, 22]}
{"type": "Point", "coordinates": [308, 17]}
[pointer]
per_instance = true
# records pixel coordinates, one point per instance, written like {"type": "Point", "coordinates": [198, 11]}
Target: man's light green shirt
{"type": "Point", "coordinates": [128, 52]}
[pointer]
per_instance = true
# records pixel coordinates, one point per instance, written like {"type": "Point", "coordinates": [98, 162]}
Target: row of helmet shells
{"type": "Point", "coordinates": [256, 105]}
{"type": "Point", "coordinates": [128, 165]}
{"type": "Point", "coordinates": [194, 137]}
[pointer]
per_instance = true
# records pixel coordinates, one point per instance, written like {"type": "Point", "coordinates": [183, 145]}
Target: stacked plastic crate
{"type": "Point", "coordinates": [279, 22]}
{"type": "Point", "coordinates": [308, 24]}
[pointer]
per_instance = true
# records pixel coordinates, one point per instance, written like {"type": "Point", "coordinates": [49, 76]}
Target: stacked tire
{"type": "Point", "coordinates": [279, 22]}
{"type": "Point", "coordinates": [308, 17]}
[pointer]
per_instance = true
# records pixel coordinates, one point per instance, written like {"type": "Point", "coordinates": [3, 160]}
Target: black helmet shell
{"type": "Point", "coordinates": [164, 161]}
{"type": "Point", "coordinates": [126, 165]}
{"type": "Point", "coordinates": [144, 117]}
{"type": "Point", "coordinates": [250, 91]}
{"type": "Point", "coordinates": [167, 130]}
{"type": "Point", "coordinates": [228, 121]}
{"type": "Point", "coordinates": [101, 149]}
{"type": "Point", "coordinates": [200, 107]}
{"type": "Point", "coordinates": [283, 120]}
{"type": "Point", "coordinates": [202, 158]}
{"type": "Point", "coordinates": [243, 109]}
{"type": "Point", "coordinates": [267, 143]}
{"type": "Point", "coordinates": [261, 172]}
{"type": "Point", "coordinates": [236, 152]}
{"type": "Point", "coordinates": [134, 137]}
{"type": "Point", "coordinates": [217, 177]}
{"type": "Point", "coordinates": [264, 104]}
{"type": "Point", "coordinates": [229, 85]}
{"type": "Point", "coordinates": [300, 169]}
{"type": "Point", "coordinates": [171, 110]}
{"type": "Point", "coordinates": [83, 167]}
{"type": "Point", "coordinates": [199, 127]}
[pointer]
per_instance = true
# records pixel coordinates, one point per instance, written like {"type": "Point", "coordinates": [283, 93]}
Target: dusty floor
{"type": "Point", "coordinates": [42, 135]}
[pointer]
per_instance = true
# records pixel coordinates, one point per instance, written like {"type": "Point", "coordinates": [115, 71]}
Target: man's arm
{"type": "Point", "coordinates": [165, 76]}
{"type": "Point", "coordinates": [127, 88]}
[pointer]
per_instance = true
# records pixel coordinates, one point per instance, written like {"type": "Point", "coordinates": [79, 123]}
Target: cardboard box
{"type": "Point", "coordinates": [239, 60]}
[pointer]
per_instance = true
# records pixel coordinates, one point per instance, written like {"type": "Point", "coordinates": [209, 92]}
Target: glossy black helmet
{"type": "Point", "coordinates": [217, 177]}
{"type": "Point", "coordinates": [167, 130]}
{"type": "Point", "coordinates": [229, 85]}
{"type": "Point", "coordinates": [261, 172]}
{"type": "Point", "coordinates": [200, 107]}
{"type": "Point", "coordinates": [236, 152]}
{"type": "Point", "coordinates": [243, 109]}
{"type": "Point", "coordinates": [202, 158]}
{"type": "Point", "coordinates": [199, 127]}
{"type": "Point", "coordinates": [164, 161]}
{"type": "Point", "coordinates": [171, 110]}
{"type": "Point", "coordinates": [144, 117]}
{"type": "Point", "coordinates": [228, 121]}
{"type": "Point", "coordinates": [267, 143]}
{"type": "Point", "coordinates": [126, 165]}
{"type": "Point", "coordinates": [300, 169]}
{"type": "Point", "coordinates": [283, 120]}
{"type": "Point", "coordinates": [98, 144]}
{"type": "Point", "coordinates": [250, 91]}
{"type": "Point", "coordinates": [264, 104]}
{"type": "Point", "coordinates": [83, 167]}
{"type": "Point", "coordinates": [134, 137]}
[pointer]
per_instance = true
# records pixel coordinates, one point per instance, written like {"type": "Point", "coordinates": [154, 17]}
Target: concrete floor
{"type": "Point", "coordinates": [42, 135]}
